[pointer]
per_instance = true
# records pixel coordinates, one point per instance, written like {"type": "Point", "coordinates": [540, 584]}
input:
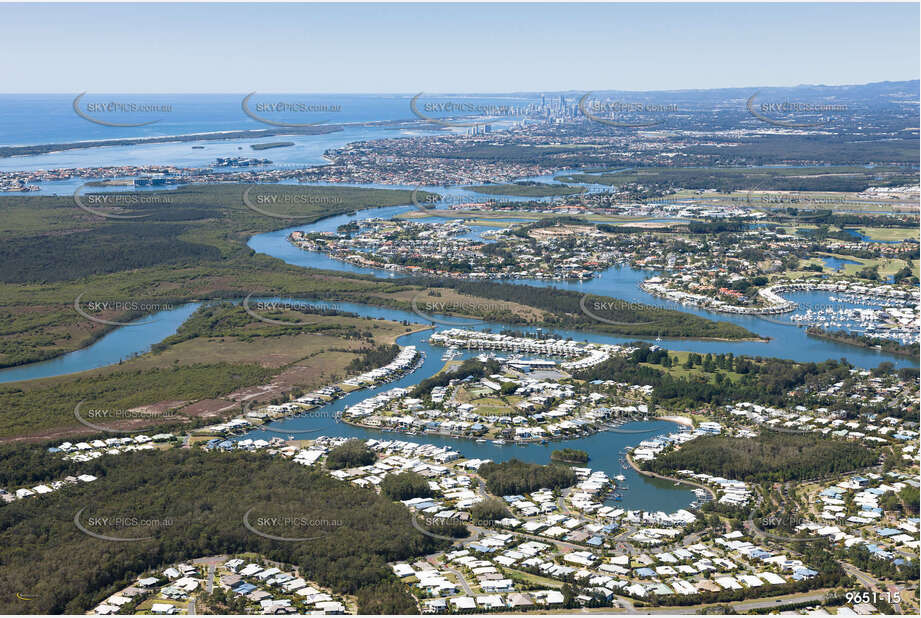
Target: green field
{"type": "Point", "coordinates": [886, 266]}
{"type": "Point", "coordinates": [218, 351]}
{"type": "Point", "coordinates": [192, 247]}
{"type": "Point", "coordinates": [679, 371]}
{"type": "Point", "coordinates": [889, 233]}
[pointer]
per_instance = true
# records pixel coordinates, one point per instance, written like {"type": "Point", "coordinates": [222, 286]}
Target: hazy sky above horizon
{"type": "Point", "coordinates": [408, 48]}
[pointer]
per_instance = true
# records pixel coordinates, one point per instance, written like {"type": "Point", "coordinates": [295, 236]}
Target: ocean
{"type": "Point", "coordinates": [29, 119]}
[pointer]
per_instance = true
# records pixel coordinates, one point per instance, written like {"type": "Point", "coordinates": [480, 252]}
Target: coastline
{"type": "Point", "coordinates": [680, 420]}
{"type": "Point", "coordinates": [820, 333]}
{"type": "Point", "coordinates": [37, 149]}
{"type": "Point", "coordinates": [669, 478]}
{"type": "Point", "coordinates": [33, 149]}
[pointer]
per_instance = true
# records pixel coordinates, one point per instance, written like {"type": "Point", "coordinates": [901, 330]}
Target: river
{"type": "Point", "coordinates": [785, 339]}
{"type": "Point", "coordinates": [605, 448]}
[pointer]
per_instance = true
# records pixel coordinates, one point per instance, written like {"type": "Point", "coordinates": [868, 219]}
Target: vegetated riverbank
{"type": "Point", "coordinates": [13, 151]}
{"type": "Point", "coordinates": [527, 189]}
{"type": "Point", "coordinates": [191, 245]}
{"type": "Point", "coordinates": [862, 341]}
{"type": "Point", "coordinates": [669, 478]}
{"type": "Point", "coordinates": [214, 261]}
{"type": "Point", "coordinates": [618, 284]}
{"type": "Point", "coordinates": [568, 310]}
{"type": "Point", "coordinates": [237, 358]}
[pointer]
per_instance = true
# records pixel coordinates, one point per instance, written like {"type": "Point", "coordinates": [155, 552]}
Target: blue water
{"type": "Point", "coordinates": [206, 113]}
{"type": "Point", "coordinates": [121, 344]}
{"type": "Point", "coordinates": [605, 448]}
{"type": "Point", "coordinates": [307, 151]}
{"type": "Point", "coordinates": [50, 118]}
{"type": "Point", "coordinates": [836, 263]}
{"type": "Point", "coordinates": [786, 340]}
{"type": "Point", "coordinates": [47, 119]}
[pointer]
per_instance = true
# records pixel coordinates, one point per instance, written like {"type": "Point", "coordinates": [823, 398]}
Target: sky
{"type": "Point", "coordinates": [450, 48]}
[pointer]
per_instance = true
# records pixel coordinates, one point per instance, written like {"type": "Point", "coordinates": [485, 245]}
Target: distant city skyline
{"type": "Point", "coordinates": [451, 48]}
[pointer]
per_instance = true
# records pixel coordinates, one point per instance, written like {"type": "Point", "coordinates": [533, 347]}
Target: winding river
{"type": "Point", "coordinates": [786, 340]}
{"type": "Point", "coordinates": [606, 448]}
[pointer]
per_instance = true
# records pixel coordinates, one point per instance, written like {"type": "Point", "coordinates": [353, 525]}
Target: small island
{"type": "Point", "coordinates": [569, 455]}
{"type": "Point", "coordinates": [269, 145]}
{"type": "Point", "coordinates": [18, 151]}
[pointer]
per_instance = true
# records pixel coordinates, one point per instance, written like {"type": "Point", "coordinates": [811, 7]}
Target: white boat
{"type": "Point", "coordinates": [499, 442]}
